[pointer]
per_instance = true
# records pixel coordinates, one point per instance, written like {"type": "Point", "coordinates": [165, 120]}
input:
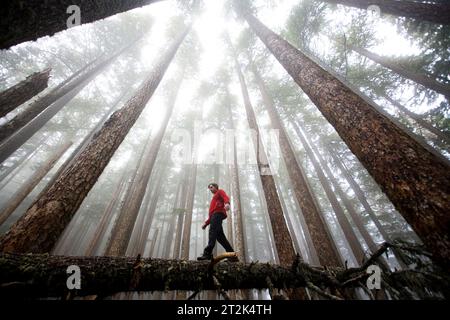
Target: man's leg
{"type": "Point", "coordinates": [213, 233]}
{"type": "Point", "coordinates": [222, 239]}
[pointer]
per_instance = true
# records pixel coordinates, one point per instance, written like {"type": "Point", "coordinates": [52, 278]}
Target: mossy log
{"type": "Point", "coordinates": [43, 275]}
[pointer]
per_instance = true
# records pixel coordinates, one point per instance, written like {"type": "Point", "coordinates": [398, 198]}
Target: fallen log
{"type": "Point", "coordinates": [43, 275]}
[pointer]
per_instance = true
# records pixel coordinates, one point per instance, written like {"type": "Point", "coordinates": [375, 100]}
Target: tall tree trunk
{"type": "Point", "coordinates": [185, 245]}
{"type": "Point", "coordinates": [143, 222]}
{"type": "Point", "coordinates": [431, 12]}
{"type": "Point", "coordinates": [317, 227]}
{"type": "Point", "coordinates": [15, 169]}
{"type": "Point", "coordinates": [13, 97]}
{"type": "Point", "coordinates": [355, 217]}
{"type": "Point", "coordinates": [181, 212]}
{"type": "Point", "coordinates": [419, 78]}
{"type": "Point", "coordinates": [24, 21]}
{"type": "Point", "coordinates": [143, 239]}
{"type": "Point", "coordinates": [362, 198]}
{"type": "Point", "coordinates": [230, 219]}
{"type": "Point", "coordinates": [240, 245]}
{"type": "Point", "coordinates": [40, 227]}
{"type": "Point", "coordinates": [31, 183]}
{"type": "Point", "coordinates": [282, 238]}
{"type": "Point", "coordinates": [417, 118]}
{"type": "Point", "coordinates": [149, 208]}
{"type": "Point", "coordinates": [347, 229]}
{"type": "Point", "coordinates": [14, 133]}
{"type": "Point", "coordinates": [416, 180]}
{"type": "Point", "coordinates": [34, 108]}
{"type": "Point", "coordinates": [81, 145]}
{"type": "Point", "coordinates": [151, 251]}
{"type": "Point", "coordinates": [106, 218]}
{"type": "Point", "coordinates": [125, 223]}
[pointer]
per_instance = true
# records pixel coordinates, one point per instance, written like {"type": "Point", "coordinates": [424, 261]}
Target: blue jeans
{"type": "Point", "coordinates": [216, 233]}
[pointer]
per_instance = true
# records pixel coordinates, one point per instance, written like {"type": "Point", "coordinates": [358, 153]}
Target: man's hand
{"type": "Point", "coordinates": [227, 206]}
{"type": "Point", "coordinates": [204, 226]}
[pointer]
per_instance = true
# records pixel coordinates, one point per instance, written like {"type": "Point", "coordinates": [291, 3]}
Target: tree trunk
{"type": "Point", "coordinates": [415, 180]}
{"type": "Point", "coordinates": [38, 230]}
{"type": "Point", "coordinates": [344, 223]}
{"type": "Point", "coordinates": [141, 223]}
{"type": "Point", "coordinates": [23, 91]}
{"type": "Point", "coordinates": [230, 219]}
{"type": "Point", "coordinates": [151, 251]}
{"type": "Point", "coordinates": [46, 275]}
{"type": "Point", "coordinates": [34, 108]}
{"type": "Point", "coordinates": [431, 12]}
{"type": "Point", "coordinates": [362, 198]}
{"type": "Point", "coordinates": [25, 21]}
{"type": "Point", "coordinates": [419, 78]}
{"type": "Point", "coordinates": [181, 212]}
{"type": "Point", "coordinates": [417, 118]}
{"type": "Point", "coordinates": [81, 146]}
{"type": "Point", "coordinates": [14, 133]}
{"type": "Point", "coordinates": [150, 210]}
{"type": "Point", "coordinates": [189, 208]}
{"type": "Point", "coordinates": [31, 275]}
{"type": "Point", "coordinates": [318, 229]}
{"type": "Point", "coordinates": [32, 182]}
{"type": "Point", "coordinates": [106, 217]}
{"type": "Point", "coordinates": [125, 223]}
{"type": "Point", "coordinates": [169, 236]}
{"type": "Point", "coordinates": [17, 167]}
{"type": "Point", "coordinates": [282, 238]}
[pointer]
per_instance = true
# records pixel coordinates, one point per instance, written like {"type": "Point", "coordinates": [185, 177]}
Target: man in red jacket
{"type": "Point", "coordinates": [220, 204]}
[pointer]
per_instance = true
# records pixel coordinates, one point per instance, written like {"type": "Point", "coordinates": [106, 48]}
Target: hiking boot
{"type": "Point", "coordinates": [205, 257]}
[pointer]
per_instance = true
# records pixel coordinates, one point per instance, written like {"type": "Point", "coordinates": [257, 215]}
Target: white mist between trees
{"type": "Point", "coordinates": [215, 146]}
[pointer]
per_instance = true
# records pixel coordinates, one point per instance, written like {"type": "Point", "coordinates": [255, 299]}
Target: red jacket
{"type": "Point", "coordinates": [218, 201]}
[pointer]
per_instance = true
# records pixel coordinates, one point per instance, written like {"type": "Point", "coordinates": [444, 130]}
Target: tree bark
{"type": "Point", "coordinates": [432, 12]}
{"type": "Point", "coordinates": [38, 230]}
{"type": "Point", "coordinates": [24, 21]}
{"type": "Point", "coordinates": [419, 78]}
{"type": "Point", "coordinates": [35, 275]}
{"type": "Point", "coordinates": [318, 229]}
{"type": "Point", "coordinates": [31, 183]}
{"type": "Point", "coordinates": [46, 275]}
{"type": "Point", "coordinates": [125, 223]}
{"type": "Point", "coordinates": [416, 181]}
{"type": "Point", "coordinates": [13, 97]}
